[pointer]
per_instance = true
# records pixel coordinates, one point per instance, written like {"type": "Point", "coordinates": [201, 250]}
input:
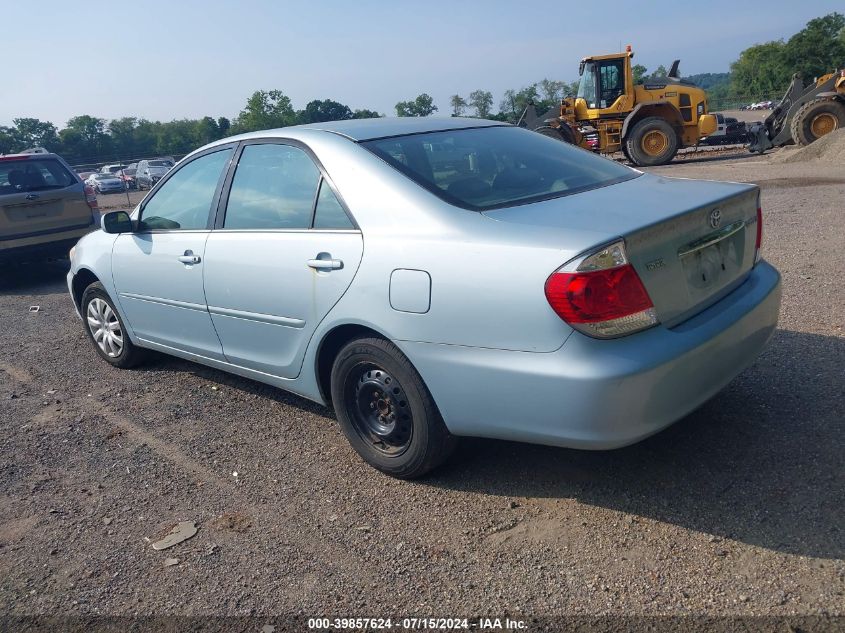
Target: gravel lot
{"type": "Point", "coordinates": [737, 510]}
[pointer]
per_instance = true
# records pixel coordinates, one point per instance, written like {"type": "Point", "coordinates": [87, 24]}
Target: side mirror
{"type": "Point", "coordinates": [116, 222]}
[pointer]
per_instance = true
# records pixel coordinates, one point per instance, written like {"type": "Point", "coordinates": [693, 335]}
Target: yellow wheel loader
{"type": "Point", "coordinates": [803, 115]}
{"type": "Point", "coordinates": [648, 122]}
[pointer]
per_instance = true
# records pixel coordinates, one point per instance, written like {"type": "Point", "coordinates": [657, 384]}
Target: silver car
{"type": "Point", "coordinates": [512, 287]}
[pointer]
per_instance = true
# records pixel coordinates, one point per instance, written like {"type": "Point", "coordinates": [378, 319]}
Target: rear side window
{"type": "Point", "coordinates": [33, 174]}
{"type": "Point", "coordinates": [494, 167]}
{"type": "Point", "coordinates": [329, 214]}
{"type": "Point", "coordinates": [184, 201]}
{"type": "Point", "coordinates": [273, 188]}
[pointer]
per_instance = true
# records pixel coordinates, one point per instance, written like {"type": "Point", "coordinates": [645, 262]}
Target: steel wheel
{"type": "Point", "coordinates": [105, 327]}
{"type": "Point", "coordinates": [823, 123]}
{"type": "Point", "coordinates": [379, 409]}
{"type": "Point", "coordinates": [654, 142]}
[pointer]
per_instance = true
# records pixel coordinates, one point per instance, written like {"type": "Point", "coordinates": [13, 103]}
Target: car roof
{"type": "Point", "coordinates": [30, 155]}
{"type": "Point", "coordinates": [369, 129]}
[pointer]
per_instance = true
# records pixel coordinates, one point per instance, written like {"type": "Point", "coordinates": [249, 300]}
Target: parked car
{"type": "Point", "coordinates": [540, 293]}
{"type": "Point", "coordinates": [44, 207]}
{"type": "Point", "coordinates": [127, 175]}
{"type": "Point", "coordinates": [150, 172]}
{"type": "Point", "coordinates": [111, 169]}
{"type": "Point", "coordinates": [106, 183]}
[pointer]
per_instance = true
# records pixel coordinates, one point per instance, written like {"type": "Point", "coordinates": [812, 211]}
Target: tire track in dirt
{"type": "Point", "coordinates": [341, 555]}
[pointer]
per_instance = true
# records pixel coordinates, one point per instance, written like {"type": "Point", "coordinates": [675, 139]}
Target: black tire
{"type": "Point", "coordinates": [805, 124]}
{"type": "Point", "coordinates": [129, 355]}
{"type": "Point", "coordinates": [386, 411]}
{"type": "Point", "coordinates": [651, 127]}
{"type": "Point", "coordinates": [625, 152]}
{"type": "Point", "coordinates": [562, 133]}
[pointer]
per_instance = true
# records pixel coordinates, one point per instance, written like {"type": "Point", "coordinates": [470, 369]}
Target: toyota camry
{"type": "Point", "coordinates": [436, 278]}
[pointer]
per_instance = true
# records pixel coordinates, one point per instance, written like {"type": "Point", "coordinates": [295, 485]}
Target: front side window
{"type": "Point", "coordinates": [587, 85]}
{"type": "Point", "coordinates": [274, 188]}
{"type": "Point", "coordinates": [184, 201]}
{"type": "Point", "coordinates": [33, 174]}
{"type": "Point", "coordinates": [494, 167]}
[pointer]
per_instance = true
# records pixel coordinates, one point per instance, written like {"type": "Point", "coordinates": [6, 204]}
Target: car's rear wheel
{"type": "Point", "coordinates": [386, 411]}
{"type": "Point", "coordinates": [106, 330]}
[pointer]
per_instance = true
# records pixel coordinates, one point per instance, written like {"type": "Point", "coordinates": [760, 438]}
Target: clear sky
{"type": "Point", "coordinates": [191, 58]}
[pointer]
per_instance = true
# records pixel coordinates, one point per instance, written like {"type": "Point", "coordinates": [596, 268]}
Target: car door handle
{"type": "Point", "coordinates": [189, 258]}
{"type": "Point", "coordinates": [325, 264]}
{"type": "Point", "coordinates": [32, 196]}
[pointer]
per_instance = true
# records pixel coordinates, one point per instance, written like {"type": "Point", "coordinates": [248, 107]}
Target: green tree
{"type": "Point", "coordinates": [122, 132]}
{"type": "Point", "coordinates": [223, 125]}
{"type": "Point", "coordinates": [265, 110]}
{"type": "Point", "coordinates": [481, 101]}
{"type": "Point", "coordinates": [459, 104]}
{"type": "Point", "coordinates": [206, 130]}
{"type": "Point", "coordinates": [817, 49]}
{"type": "Point", "coordinates": [423, 105]}
{"type": "Point", "coordinates": [551, 90]}
{"type": "Point", "coordinates": [514, 102]}
{"type": "Point", "coordinates": [639, 73]}
{"type": "Point", "coordinates": [366, 114]}
{"type": "Point", "coordinates": [327, 110]}
{"type": "Point", "coordinates": [8, 144]}
{"type": "Point", "coordinates": [35, 133]}
{"type": "Point", "coordinates": [760, 70]}
{"type": "Point", "coordinates": [571, 89]}
{"type": "Point", "coordinates": [660, 73]}
{"type": "Point", "coordinates": [84, 139]}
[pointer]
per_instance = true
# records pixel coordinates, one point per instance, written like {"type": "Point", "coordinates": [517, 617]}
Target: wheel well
{"type": "Point", "coordinates": [665, 111]}
{"type": "Point", "coordinates": [81, 281]}
{"type": "Point", "coordinates": [330, 346]}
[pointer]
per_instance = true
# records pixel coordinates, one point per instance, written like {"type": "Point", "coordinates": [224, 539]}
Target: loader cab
{"type": "Point", "coordinates": [604, 81]}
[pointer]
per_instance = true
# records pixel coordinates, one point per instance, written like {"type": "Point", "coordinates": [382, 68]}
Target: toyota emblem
{"type": "Point", "coordinates": [715, 218]}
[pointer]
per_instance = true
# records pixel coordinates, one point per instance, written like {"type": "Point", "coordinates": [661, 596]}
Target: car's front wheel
{"type": "Point", "coordinates": [106, 330]}
{"type": "Point", "coordinates": [386, 411]}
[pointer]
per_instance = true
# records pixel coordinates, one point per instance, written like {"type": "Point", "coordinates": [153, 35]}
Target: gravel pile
{"type": "Point", "coordinates": [829, 149]}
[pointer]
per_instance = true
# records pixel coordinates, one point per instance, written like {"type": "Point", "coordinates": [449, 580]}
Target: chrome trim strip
{"type": "Point", "coordinates": [710, 239]}
{"type": "Point", "coordinates": [257, 316]}
{"type": "Point", "coordinates": [167, 302]}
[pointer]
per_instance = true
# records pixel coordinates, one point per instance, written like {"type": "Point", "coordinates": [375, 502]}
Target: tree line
{"type": "Point", "coordinates": [89, 139]}
{"type": "Point", "coordinates": [761, 71]}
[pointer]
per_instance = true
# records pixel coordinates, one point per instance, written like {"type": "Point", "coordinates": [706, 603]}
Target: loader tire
{"type": "Point", "coordinates": [652, 141]}
{"type": "Point", "coordinates": [816, 118]}
{"type": "Point", "coordinates": [561, 133]}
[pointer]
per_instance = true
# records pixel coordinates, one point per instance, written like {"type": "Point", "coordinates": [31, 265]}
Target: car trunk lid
{"type": "Point", "coordinates": [691, 242]}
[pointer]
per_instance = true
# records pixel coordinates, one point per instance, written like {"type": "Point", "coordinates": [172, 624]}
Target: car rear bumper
{"type": "Point", "coordinates": [55, 243]}
{"type": "Point", "coordinates": [602, 394]}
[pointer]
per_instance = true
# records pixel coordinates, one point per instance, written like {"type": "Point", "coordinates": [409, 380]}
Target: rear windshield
{"type": "Point", "coordinates": [489, 168]}
{"type": "Point", "coordinates": [33, 174]}
{"type": "Point", "coordinates": [159, 163]}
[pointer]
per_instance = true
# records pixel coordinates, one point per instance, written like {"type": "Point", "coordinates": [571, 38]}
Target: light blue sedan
{"type": "Point", "coordinates": [433, 278]}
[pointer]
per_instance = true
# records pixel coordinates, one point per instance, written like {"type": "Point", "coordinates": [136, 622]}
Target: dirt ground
{"type": "Point", "coordinates": [737, 510]}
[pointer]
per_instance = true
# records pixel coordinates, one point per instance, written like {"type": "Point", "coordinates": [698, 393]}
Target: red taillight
{"type": "Point", "coordinates": [759, 242]}
{"type": "Point", "coordinates": [91, 197]}
{"type": "Point", "coordinates": [599, 295]}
